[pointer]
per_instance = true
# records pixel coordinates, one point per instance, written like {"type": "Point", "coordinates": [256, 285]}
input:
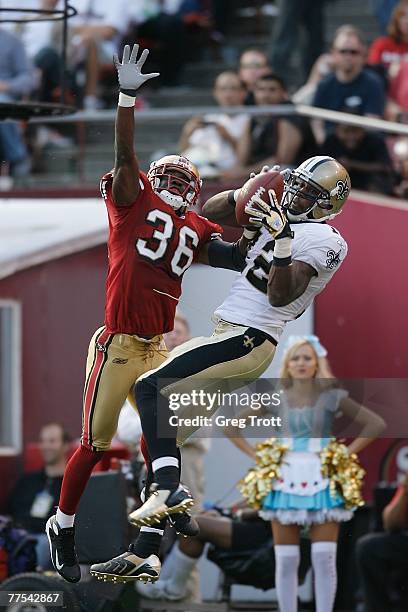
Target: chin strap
{"type": "Point", "coordinates": [175, 202]}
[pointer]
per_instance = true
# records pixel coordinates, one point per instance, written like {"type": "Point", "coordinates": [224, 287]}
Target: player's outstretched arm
{"type": "Point", "coordinates": [221, 208]}
{"type": "Point", "coordinates": [228, 255]}
{"type": "Point", "coordinates": [126, 186]}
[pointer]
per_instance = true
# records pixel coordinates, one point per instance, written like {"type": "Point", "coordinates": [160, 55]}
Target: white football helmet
{"type": "Point", "coordinates": [176, 181]}
{"type": "Point", "coordinates": [323, 182]}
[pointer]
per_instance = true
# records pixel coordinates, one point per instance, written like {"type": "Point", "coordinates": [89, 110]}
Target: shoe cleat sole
{"type": "Point", "coordinates": [123, 579]}
{"type": "Point", "coordinates": [147, 521]}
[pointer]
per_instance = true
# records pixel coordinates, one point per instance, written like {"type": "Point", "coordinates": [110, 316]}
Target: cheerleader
{"type": "Point", "coordinates": [301, 495]}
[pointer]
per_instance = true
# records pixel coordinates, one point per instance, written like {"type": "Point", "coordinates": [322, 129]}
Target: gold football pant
{"type": "Point", "coordinates": [226, 361]}
{"type": "Point", "coordinates": [114, 363]}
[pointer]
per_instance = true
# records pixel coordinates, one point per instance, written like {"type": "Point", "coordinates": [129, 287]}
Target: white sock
{"type": "Point", "coordinates": [287, 557]}
{"type": "Point", "coordinates": [65, 520]}
{"type": "Point", "coordinates": [325, 574]}
{"type": "Point", "coordinates": [180, 567]}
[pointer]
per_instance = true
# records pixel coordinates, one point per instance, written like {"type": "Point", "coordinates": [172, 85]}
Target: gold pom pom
{"type": "Point", "coordinates": [344, 472]}
{"type": "Point", "coordinates": [258, 481]}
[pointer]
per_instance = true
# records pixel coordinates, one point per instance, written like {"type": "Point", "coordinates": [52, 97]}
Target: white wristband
{"type": "Point", "coordinates": [125, 100]}
{"type": "Point", "coordinates": [283, 248]}
{"type": "Point", "coordinates": [249, 233]}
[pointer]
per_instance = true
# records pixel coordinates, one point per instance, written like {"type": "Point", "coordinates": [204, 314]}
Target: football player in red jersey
{"type": "Point", "coordinates": [153, 239]}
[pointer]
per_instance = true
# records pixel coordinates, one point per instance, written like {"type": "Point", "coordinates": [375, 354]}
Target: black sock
{"type": "Point", "coordinates": [148, 542]}
{"type": "Point", "coordinates": [167, 477]}
{"type": "Point", "coordinates": [155, 415]}
{"type": "Point", "coordinates": [179, 462]}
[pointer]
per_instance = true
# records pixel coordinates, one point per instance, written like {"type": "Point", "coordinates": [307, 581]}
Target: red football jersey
{"type": "Point", "coordinates": [149, 248]}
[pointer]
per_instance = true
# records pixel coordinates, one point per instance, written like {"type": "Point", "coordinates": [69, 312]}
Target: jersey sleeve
{"type": "Point", "coordinates": [324, 253]}
{"type": "Point", "coordinates": [118, 213]}
{"type": "Point", "coordinates": [210, 230]}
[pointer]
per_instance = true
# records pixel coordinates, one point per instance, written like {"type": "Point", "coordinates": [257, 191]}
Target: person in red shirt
{"type": "Point", "coordinates": [153, 240]}
{"type": "Point", "coordinates": [390, 53]}
{"type": "Point", "coordinates": [380, 553]}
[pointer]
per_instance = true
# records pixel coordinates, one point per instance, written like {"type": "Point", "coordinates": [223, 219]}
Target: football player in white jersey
{"type": "Point", "coordinates": [292, 260]}
{"type": "Point", "coordinates": [289, 269]}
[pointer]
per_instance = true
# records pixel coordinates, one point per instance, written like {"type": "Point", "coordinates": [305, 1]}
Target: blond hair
{"type": "Point", "coordinates": [323, 375]}
{"type": "Point", "coordinates": [349, 30]}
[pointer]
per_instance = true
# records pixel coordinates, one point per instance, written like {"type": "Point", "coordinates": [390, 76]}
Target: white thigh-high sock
{"type": "Point", "coordinates": [325, 574]}
{"type": "Point", "coordinates": [287, 557]}
{"type": "Point", "coordinates": [180, 566]}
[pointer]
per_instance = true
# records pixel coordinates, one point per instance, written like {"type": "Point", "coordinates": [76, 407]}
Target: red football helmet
{"type": "Point", "coordinates": [175, 180]}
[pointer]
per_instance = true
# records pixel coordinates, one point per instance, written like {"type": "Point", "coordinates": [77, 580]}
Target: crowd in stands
{"type": "Point", "coordinates": [348, 76]}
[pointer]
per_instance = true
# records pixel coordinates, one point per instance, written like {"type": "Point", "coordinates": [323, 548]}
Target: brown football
{"type": "Point", "coordinates": [258, 185]}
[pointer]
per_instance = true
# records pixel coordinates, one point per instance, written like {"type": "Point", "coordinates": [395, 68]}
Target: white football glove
{"type": "Point", "coordinates": [271, 216]}
{"type": "Point", "coordinates": [130, 70]}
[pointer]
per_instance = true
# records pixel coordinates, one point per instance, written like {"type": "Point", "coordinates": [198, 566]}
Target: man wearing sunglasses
{"type": "Point", "coordinates": [350, 85]}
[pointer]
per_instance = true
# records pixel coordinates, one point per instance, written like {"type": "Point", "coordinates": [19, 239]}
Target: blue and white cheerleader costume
{"type": "Point", "coordinates": [301, 495]}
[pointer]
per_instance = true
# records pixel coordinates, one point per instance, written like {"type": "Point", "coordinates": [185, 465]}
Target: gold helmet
{"type": "Point", "coordinates": [176, 180]}
{"type": "Point", "coordinates": [320, 181]}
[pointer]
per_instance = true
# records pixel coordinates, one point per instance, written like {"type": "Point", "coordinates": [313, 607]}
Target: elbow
{"type": "Point", "coordinates": [389, 522]}
{"type": "Point", "coordinates": [277, 299]}
{"type": "Point", "coordinates": [385, 519]}
{"type": "Point", "coordinates": [206, 210]}
{"type": "Point", "coordinates": [381, 425]}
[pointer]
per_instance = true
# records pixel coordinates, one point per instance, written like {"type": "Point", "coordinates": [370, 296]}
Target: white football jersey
{"type": "Point", "coordinates": [317, 244]}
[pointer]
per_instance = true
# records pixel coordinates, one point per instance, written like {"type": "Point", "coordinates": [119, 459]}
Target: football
{"type": "Point", "coordinates": [258, 185]}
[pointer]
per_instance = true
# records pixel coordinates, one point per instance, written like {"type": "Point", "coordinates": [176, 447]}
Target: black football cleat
{"type": "Point", "coordinates": [62, 550]}
{"type": "Point", "coordinates": [184, 524]}
{"type": "Point", "coordinates": [128, 568]}
{"type": "Point", "coordinates": [161, 503]}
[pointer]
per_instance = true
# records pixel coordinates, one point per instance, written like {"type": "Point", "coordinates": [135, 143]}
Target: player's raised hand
{"type": "Point", "coordinates": [271, 216]}
{"type": "Point", "coordinates": [265, 169]}
{"type": "Point", "coordinates": [130, 70]}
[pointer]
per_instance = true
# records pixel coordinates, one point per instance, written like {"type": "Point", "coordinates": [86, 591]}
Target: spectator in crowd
{"type": "Point", "coordinates": [221, 12]}
{"type": "Point", "coordinates": [294, 15]}
{"type": "Point", "coordinates": [350, 85]}
{"type": "Point", "coordinates": [38, 36]}
{"type": "Point", "coordinates": [321, 68]}
{"type": "Point", "coordinates": [215, 142]}
{"type": "Point", "coordinates": [164, 23]}
{"type": "Point", "coordinates": [253, 64]}
{"type": "Point", "coordinates": [364, 155]}
{"type": "Point", "coordinates": [94, 35]}
{"type": "Point", "coordinates": [390, 54]}
{"type": "Point", "coordinates": [381, 554]}
{"type": "Point", "coordinates": [36, 493]}
{"type": "Point", "coordinates": [243, 532]}
{"type": "Point", "coordinates": [16, 80]}
{"type": "Point", "coordinates": [180, 332]}
{"type": "Point", "coordinates": [274, 139]}
{"type": "Point", "coordinates": [400, 157]}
